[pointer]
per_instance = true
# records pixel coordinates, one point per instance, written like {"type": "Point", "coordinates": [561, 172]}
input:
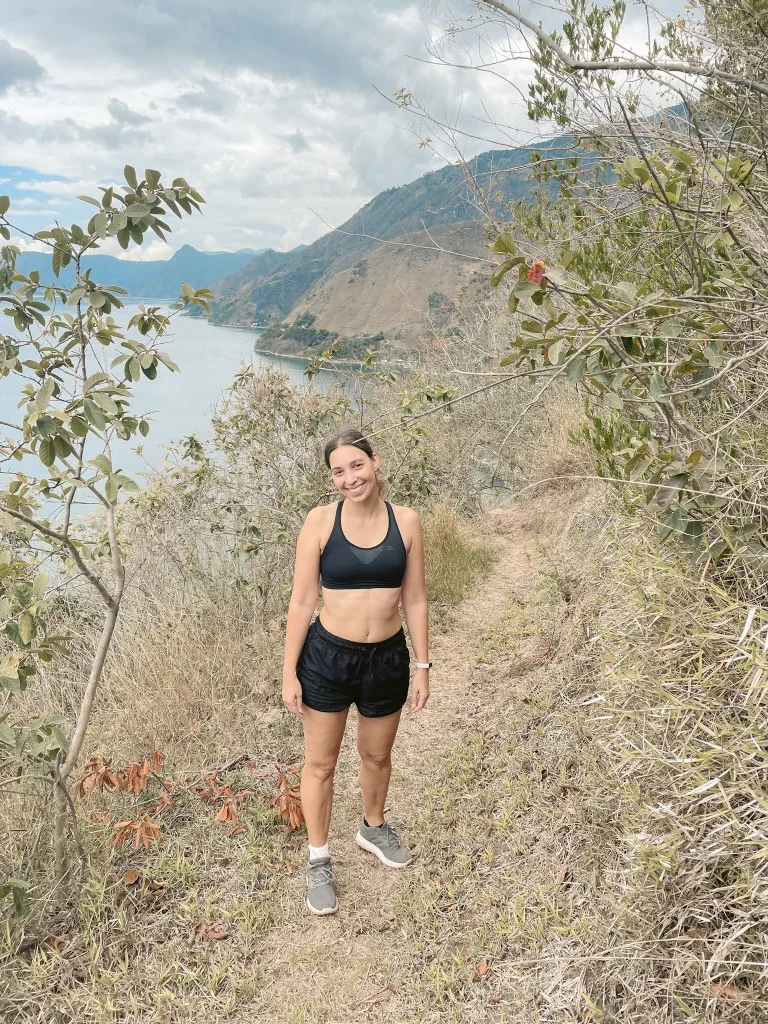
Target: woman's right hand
{"type": "Point", "coordinates": [292, 696]}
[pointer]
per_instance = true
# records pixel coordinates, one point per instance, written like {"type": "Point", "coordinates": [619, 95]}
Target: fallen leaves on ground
{"type": "Point", "coordinates": [207, 933]}
{"type": "Point", "coordinates": [288, 802]}
{"type": "Point", "coordinates": [145, 832]}
{"type": "Point", "coordinates": [481, 970]}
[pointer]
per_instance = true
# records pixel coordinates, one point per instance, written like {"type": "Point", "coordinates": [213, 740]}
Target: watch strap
{"type": "Point", "coordinates": [423, 664]}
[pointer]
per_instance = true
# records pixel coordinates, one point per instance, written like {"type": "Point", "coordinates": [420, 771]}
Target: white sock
{"type": "Point", "coordinates": [316, 852]}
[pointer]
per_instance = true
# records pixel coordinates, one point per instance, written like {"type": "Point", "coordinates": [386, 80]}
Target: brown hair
{"type": "Point", "coordinates": [351, 435]}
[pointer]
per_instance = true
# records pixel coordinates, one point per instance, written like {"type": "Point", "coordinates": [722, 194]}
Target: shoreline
{"type": "Point", "coordinates": [305, 359]}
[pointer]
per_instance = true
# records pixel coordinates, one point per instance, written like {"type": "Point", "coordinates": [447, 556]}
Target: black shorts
{"type": "Point", "coordinates": [335, 673]}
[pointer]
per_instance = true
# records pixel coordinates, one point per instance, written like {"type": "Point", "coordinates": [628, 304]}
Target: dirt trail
{"type": "Point", "coordinates": [335, 969]}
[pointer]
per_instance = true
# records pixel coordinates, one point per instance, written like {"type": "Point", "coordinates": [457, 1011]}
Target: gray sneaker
{"type": "Point", "coordinates": [321, 896]}
{"type": "Point", "coordinates": [383, 842]}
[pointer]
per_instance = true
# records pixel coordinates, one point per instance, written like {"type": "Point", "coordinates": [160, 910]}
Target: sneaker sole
{"type": "Point", "coordinates": [372, 848]}
{"type": "Point", "coordinates": [322, 913]}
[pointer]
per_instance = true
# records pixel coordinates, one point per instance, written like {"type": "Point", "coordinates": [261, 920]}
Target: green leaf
{"type": "Point", "coordinates": [658, 388]}
{"type": "Point", "coordinates": [130, 176]}
{"type": "Point", "coordinates": [127, 483]}
{"type": "Point", "coordinates": [513, 302]}
{"type": "Point", "coordinates": [94, 414]}
{"type": "Point", "coordinates": [102, 463]}
{"type": "Point", "coordinates": [110, 490]}
{"type": "Point", "coordinates": [5, 204]}
{"type": "Point", "coordinates": [94, 379]}
{"type": "Point", "coordinates": [78, 426]}
{"type": "Point", "coordinates": [26, 626]}
{"type": "Point", "coordinates": [675, 521]}
{"type": "Point", "coordinates": [47, 451]}
{"type": "Point", "coordinates": [525, 289]}
{"type": "Point", "coordinates": [553, 353]}
{"type": "Point", "coordinates": [150, 371]}
{"type": "Point", "coordinates": [106, 403]}
{"type": "Point", "coordinates": [44, 395]}
{"type": "Point", "coordinates": [143, 428]}
{"type": "Point", "coordinates": [62, 446]}
{"type": "Point", "coordinates": [671, 329]}
{"type": "Point", "coordinates": [574, 369]}
{"type": "Point", "coordinates": [46, 426]}
{"type": "Point", "coordinates": [20, 900]}
{"type": "Point", "coordinates": [504, 269]}
{"type": "Point", "coordinates": [505, 243]}
{"type": "Point", "coordinates": [612, 400]}
{"type": "Point", "coordinates": [166, 359]}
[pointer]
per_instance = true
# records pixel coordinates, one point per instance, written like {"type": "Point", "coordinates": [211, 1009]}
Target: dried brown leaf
{"type": "Point", "coordinates": [738, 995]}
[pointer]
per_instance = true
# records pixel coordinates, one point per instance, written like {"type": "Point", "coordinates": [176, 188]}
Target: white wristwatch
{"type": "Point", "coordinates": [423, 664]}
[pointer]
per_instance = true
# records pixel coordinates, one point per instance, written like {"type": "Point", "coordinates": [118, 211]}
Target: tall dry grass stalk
{"type": "Point", "coordinates": [673, 670]}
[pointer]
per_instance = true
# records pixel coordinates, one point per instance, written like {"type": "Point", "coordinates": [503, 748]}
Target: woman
{"type": "Point", "coordinates": [368, 557]}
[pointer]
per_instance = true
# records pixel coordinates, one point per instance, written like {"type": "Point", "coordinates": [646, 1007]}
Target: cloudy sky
{"type": "Point", "coordinates": [269, 109]}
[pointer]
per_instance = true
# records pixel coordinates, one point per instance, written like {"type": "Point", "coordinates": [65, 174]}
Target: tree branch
{"type": "Point", "coordinates": [89, 574]}
{"type": "Point", "coordinates": [623, 65]}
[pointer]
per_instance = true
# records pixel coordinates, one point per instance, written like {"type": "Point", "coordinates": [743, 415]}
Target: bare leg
{"type": "Point", "coordinates": [375, 737]}
{"type": "Point", "coordinates": [323, 732]}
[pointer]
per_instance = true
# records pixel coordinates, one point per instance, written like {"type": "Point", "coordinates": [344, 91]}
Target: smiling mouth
{"type": "Point", "coordinates": [356, 490]}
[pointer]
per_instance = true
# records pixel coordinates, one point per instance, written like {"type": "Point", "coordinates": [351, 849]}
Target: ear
{"type": "Point", "coordinates": [376, 461]}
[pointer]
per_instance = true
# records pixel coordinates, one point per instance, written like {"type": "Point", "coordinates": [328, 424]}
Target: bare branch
{"type": "Point", "coordinates": [671, 67]}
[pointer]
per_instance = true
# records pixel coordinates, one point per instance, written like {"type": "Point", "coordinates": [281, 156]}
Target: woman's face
{"type": "Point", "coordinates": [353, 472]}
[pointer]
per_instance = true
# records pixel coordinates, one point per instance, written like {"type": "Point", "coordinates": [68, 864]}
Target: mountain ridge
{"type": "Point", "coordinates": [266, 290]}
{"type": "Point", "coordinates": [159, 279]}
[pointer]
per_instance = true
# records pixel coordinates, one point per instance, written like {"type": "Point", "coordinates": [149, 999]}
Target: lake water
{"type": "Point", "coordinates": [180, 403]}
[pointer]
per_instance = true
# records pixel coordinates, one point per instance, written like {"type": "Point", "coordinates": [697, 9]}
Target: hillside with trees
{"type": "Point", "coordinates": [262, 293]}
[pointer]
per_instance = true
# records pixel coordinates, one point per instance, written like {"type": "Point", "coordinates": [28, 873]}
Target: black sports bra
{"type": "Point", "coordinates": [345, 566]}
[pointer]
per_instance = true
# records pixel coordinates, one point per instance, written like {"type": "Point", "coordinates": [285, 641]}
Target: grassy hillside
{"type": "Point", "coordinates": [398, 289]}
{"type": "Point", "coordinates": [441, 197]}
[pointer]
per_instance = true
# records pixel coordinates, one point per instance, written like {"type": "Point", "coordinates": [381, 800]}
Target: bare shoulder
{"type": "Point", "coordinates": [406, 513]}
{"type": "Point", "coordinates": [407, 519]}
{"type": "Point", "coordinates": [319, 521]}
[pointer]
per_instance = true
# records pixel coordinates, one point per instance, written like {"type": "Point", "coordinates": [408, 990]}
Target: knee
{"type": "Point", "coordinates": [376, 759]}
{"type": "Point", "coordinates": [320, 771]}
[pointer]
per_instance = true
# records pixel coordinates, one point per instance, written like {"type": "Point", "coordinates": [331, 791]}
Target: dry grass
{"type": "Point", "coordinates": [196, 677]}
{"type": "Point", "coordinates": [455, 560]}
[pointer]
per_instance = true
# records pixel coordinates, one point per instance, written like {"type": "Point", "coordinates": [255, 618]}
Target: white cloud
{"type": "Point", "coordinates": [60, 188]}
{"type": "Point", "coordinates": [28, 244]}
{"type": "Point", "coordinates": [156, 250]}
{"type": "Point", "coordinates": [270, 110]}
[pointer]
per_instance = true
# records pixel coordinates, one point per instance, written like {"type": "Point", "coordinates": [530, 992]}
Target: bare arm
{"type": "Point", "coordinates": [306, 590]}
{"type": "Point", "coordinates": [413, 598]}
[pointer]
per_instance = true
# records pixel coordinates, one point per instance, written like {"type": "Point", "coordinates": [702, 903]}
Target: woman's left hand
{"type": "Point", "coordinates": [419, 689]}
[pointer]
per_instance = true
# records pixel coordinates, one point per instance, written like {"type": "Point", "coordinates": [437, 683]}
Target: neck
{"type": "Point", "coordinates": [364, 508]}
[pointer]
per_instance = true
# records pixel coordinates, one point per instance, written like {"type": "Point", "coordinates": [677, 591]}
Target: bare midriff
{"type": "Point", "coordinates": [365, 616]}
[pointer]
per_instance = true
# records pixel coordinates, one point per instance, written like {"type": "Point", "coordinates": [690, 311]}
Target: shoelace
{"type": "Point", "coordinates": [320, 874]}
{"type": "Point", "coordinates": [391, 837]}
